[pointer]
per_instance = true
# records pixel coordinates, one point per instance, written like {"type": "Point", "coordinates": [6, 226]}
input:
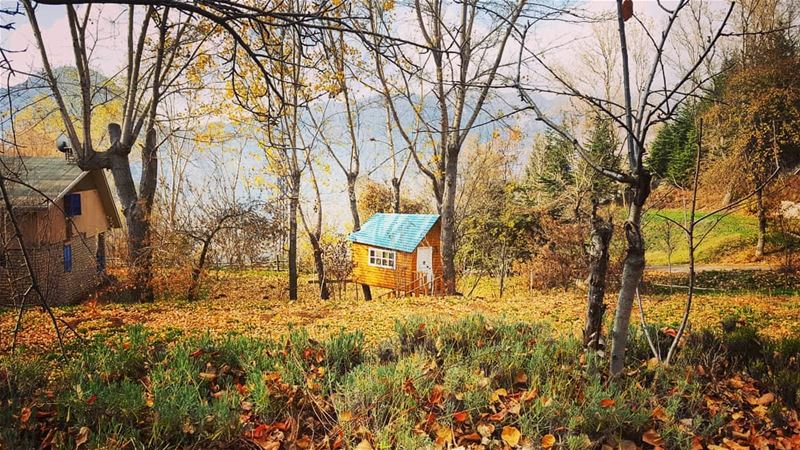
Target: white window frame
{"type": "Point", "coordinates": [379, 257]}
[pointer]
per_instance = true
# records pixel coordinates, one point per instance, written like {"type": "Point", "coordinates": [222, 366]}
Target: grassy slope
{"type": "Point", "coordinates": [731, 235]}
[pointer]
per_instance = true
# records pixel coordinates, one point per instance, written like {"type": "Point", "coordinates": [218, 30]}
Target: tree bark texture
{"type": "Point", "coordinates": [632, 271]}
{"type": "Point", "coordinates": [762, 223]}
{"type": "Point", "coordinates": [293, 203]}
{"type": "Point", "coordinates": [598, 267]}
{"type": "Point", "coordinates": [448, 218]}
{"type": "Point", "coordinates": [324, 292]}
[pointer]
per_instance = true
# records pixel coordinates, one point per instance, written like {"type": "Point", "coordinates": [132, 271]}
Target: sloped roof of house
{"type": "Point", "coordinates": [402, 232]}
{"type": "Point", "coordinates": [40, 181]}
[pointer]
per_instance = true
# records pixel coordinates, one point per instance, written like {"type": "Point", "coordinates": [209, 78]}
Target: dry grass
{"type": "Point", "coordinates": [255, 303]}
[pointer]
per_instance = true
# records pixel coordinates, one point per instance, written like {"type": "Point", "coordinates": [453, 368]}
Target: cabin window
{"type": "Point", "coordinates": [72, 205]}
{"type": "Point", "coordinates": [67, 257]}
{"type": "Point", "coordinates": [382, 258]}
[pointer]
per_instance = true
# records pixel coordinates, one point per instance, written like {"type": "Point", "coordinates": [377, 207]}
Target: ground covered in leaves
{"type": "Point", "coordinates": [466, 384]}
{"type": "Point", "coordinates": [254, 303]}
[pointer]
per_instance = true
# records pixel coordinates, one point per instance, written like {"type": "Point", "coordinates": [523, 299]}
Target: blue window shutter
{"type": "Point", "coordinates": [72, 205]}
{"type": "Point", "coordinates": [67, 258]}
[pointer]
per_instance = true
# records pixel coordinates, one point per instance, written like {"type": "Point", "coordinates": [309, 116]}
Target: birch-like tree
{"type": "Point", "coordinates": [661, 90]}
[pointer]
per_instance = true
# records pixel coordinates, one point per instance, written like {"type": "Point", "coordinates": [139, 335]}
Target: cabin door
{"type": "Point", "coordinates": [425, 265]}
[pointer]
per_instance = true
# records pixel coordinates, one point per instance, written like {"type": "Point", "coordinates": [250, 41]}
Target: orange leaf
{"type": "Point", "coordinates": [653, 438]}
{"type": "Point", "coordinates": [460, 416]}
{"type": "Point", "coordinates": [548, 440]}
{"type": "Point", "coordinates": [607, 403]}
{"type": "Point", "coordinates": [660, 414]}
{"type": "Point", "coordinates": [25, 415]}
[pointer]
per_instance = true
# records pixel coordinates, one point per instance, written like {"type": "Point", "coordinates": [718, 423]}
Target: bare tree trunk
{"type": "Point", "coordinates": [762, 223]}
{"type": "Point", "coordinates": [448, 215]}
{"type": "Point", "coordinates": [293, 204]}
{"type": "Point", "coordinates": [324, 292]}
{"type": "Point", "coordinates": [632, 270]}
{"type": "Point", "coordinates": [396, 191]}
{"type": "Point", "coordinates": [136, 208]}
{"type": "Point", "coordinates": [194, 287]}
{"type": "Point", "coordinates": [598, 267]}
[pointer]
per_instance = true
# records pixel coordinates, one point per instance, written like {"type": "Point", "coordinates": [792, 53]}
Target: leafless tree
{"type": "Point", "coordinates": [658, 97]}
{"type": "Point", "coordinates": [459, 74]}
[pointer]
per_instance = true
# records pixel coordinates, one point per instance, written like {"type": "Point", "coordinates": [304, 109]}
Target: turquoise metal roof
{"type": "Point", "coordinates": [402, 232]}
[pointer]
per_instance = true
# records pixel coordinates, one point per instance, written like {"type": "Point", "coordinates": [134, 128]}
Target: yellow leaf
{"type": "Point", "coordinates": [510, 436]}
{"type": "Point", "coordinates": [497, 394]}
{"type": "Point", "coordinates": [345, 416]}
{"type": "Point", "coordinates": [364, 445]}
{"type": "Point", "coordinates": [548, 440]}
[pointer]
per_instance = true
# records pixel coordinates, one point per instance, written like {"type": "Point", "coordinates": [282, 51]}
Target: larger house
{"type": "Point", "coordinates": [400, 252]}
{"type": "Point", "coordinates": [64, 213]}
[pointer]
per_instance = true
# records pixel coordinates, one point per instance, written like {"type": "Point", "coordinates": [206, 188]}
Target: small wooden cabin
{"type": "Point", "coordinates": [64, 213]}
{"type": "Point", "coordinates": [400, 252]}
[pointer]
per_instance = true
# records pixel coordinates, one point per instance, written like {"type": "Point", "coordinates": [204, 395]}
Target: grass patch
{"type": "Point", "coordinates": [468, 382]}
{"type": "Point", "coordinates": [732, 234]}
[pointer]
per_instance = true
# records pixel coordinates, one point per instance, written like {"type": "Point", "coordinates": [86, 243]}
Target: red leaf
{"type": "Point", "coordinates": [460, 416]}
{"type": "Point", "coordinates": [90, 401]}
{"type": "Point", "coordinates": [196, 353]}
{"type": "Point", "coordinates": [627, 10]}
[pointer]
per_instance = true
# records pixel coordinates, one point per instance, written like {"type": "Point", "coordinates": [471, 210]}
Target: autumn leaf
{"type": "Point", "coordinates": [497, 394]}
{"type": "Point", "coordinates": [548, 440]}
{"type": "Point", "coordinates": [766, 399]}
{"type": "Point", "coordinates": [485, 429]}
{"type": "Point", "coordinates": [510, 435]}
{"type": "Point", "coordinates": [460, 416]}
{"type": "Point", "coordinates": [82, 437]}
{"type": "Point", "coordinates": [364, 445]}
{"type": "Point", "coordinates": [660, 414]}
{"type": "Point", "coordinates": [607, 403]}
{"type": "Point", "coordinates": [653, 438]}
{"type": "Point", "coordinates": [345, 416]}
{"type": "Point", "coordinates": [25, 415]}
{"type": "Point", "coordinates": [90, 401]}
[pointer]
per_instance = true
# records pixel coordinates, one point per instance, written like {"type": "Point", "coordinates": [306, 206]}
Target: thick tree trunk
{"type": "Point", "coordinates": [324, 292]}
{"type": "Point", "coordinates": [293, 202]}
{"type": "Point", "coordinates": [194, 285]}
{"type": "Point", "coordinates": [632, 270]}
{"type": "Point", "coordinates": [448, 217]}
{"type": "Point", "coordinates": [762, 223]}
{"type": "Point", "coordinates": [136, 208]}
{"type": "Point", "coordinates": [598, 267]}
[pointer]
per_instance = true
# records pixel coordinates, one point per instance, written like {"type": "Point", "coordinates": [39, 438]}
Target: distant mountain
{"type": "Point", "coordinates": [26, 92]}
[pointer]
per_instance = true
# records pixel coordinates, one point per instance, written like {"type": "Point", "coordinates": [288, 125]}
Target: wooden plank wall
{"type": "Point", "coordinates": [406, 264]}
